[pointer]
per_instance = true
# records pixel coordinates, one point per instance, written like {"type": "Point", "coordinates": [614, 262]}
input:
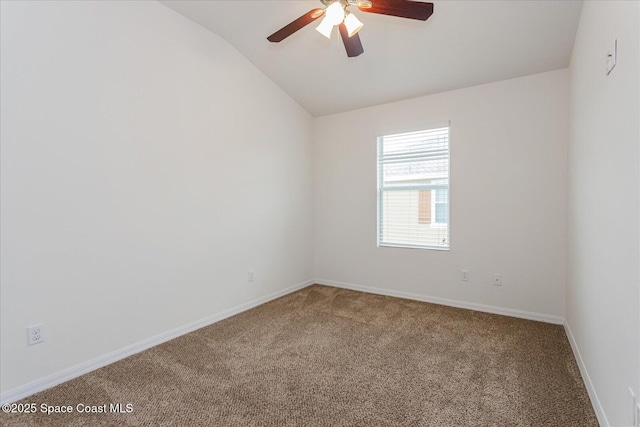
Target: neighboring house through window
{"type": "Point", "coordinates": [413, 189]}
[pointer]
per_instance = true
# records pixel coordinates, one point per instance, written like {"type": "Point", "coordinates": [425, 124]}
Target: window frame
{"type": "Point", "coordinates": [380, 190]}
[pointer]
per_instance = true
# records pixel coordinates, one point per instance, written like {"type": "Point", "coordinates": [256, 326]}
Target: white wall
{"type": "Point", "coordinates": [603, 278]}
{"type": "Point", "coordinates": [508, 196]}
{"type": "Point", "coordinates": [146, 167]}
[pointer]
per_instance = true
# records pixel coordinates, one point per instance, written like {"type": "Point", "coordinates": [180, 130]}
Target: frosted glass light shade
{"type": "Point", "coordinates": [353, 24]}
{"type": "Point", "coordinates": [335, 13]}
{"type": "Point", "coordinates": [325, 28]}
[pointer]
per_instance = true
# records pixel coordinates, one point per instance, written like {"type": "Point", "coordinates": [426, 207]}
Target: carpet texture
{"type": "Point", "coordinates": [333, 357]}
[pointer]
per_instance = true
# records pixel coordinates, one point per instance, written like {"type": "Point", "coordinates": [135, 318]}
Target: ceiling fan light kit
{"type": "Point", "coordinates": [336, 14]}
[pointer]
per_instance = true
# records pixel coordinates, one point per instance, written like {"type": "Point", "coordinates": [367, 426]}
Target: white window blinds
{"type": "Point", "coordinates": [413, 189]}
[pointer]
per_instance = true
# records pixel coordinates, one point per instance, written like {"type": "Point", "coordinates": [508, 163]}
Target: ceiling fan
{"type": "Point", "coordinates": [336, 13]}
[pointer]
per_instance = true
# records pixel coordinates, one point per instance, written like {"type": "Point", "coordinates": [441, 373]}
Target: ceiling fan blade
{"type": "Point", "coordinates": [352, 44]}
{"type": "Point", "coordinates": [294, 26]}
{"type": "Point", "coordinates": [401, 8]}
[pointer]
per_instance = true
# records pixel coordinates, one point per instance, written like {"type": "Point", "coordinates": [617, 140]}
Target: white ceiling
{"type": "Point", "coordinates": [464, 43]}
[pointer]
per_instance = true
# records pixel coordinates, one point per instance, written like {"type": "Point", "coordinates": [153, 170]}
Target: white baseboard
{"type": "Point", "coordinates": [595, 402]}
{"type": "Point", "coordinates": [540, 317]}
{"type": "Point", "coordinates": [91, 365]}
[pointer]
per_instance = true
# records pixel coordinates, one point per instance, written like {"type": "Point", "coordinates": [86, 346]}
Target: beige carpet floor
{"type": "Point", "coordinates": [332, 357]}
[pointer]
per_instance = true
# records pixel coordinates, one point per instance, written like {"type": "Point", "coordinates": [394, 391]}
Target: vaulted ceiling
{"type": "Point", "coordinates": [464, 43]}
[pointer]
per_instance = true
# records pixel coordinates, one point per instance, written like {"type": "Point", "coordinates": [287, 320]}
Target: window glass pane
{"type": "Point", "coordinates": [442, 195]}
{"type": "Point", "coordinates": [413, 195]}
{"type": "Point", "coordinates": [442, 213]}
{"type": "Point", "coordinates": [424, 207]}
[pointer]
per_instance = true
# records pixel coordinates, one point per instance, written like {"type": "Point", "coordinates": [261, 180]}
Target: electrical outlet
{"type": "Point", "coordinates": [35, 334]}
{"type": "Point", "coordinates": [464, 275]}
{"type": "Point", "coordinates": [497, 279]}
{"type": "Point", "coordinates": [250, 276]}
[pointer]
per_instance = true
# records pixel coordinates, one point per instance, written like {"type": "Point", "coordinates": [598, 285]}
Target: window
{"type": "Point", "coordinates": [413, 189]}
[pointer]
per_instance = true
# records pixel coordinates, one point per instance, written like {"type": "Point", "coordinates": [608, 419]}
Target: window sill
{"type": "Point", "coordinates": [399, 245]}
